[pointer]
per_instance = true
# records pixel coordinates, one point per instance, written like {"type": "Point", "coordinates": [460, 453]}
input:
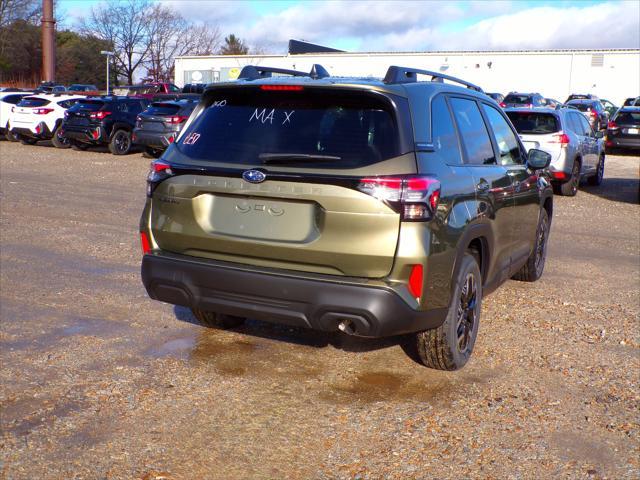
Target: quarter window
{"type": "Point", "coordinates": [473, 132]}
{"type": "Point", "coordinates": [508, 146]}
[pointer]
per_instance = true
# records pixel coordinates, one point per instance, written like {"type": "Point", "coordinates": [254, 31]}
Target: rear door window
{"type": "Point", "coordinates": [473, 131]}
{"type": "Point", "coordinates": [312, 128]}
{"type": "Point", "coordinates": [518, 99]}
{"type": "Point", "coordinates": [444, 136]}
{"type": "Point", "coordinates": [508, 145]}
{"type": "Point", "coordinates": [87, 105]}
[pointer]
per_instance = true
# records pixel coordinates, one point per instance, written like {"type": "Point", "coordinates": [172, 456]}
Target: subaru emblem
{"type": "Point", "coordinates": [254, 176]}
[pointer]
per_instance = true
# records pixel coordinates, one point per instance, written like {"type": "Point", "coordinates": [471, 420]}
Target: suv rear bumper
{"type": "Point", "coordinates": [44, 133]}
{"type": "Point", "coordinates": [159, 139]}
{"type": "Point", "coordinates": [85, 134]}
{"type": "Point", "coordinates": [317, 303]}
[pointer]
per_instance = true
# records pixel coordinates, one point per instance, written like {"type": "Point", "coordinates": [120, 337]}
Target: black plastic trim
{"type": "Point", "coordinates": [319, 303]}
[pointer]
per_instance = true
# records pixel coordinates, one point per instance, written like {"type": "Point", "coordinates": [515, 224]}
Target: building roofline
{"type": "Point", "coordinates": [431, 52]}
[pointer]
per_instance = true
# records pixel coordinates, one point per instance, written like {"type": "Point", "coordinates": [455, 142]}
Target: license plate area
{"type": "Point", "coordinates": [632, 131]}
{"type": "Point", "coordinates": [258, 218]}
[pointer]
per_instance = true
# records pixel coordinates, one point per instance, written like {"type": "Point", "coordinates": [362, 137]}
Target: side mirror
{"type": "Point", "coordinates": [538, 159]}
{"type": "Point", "coordinates": [599, 134]}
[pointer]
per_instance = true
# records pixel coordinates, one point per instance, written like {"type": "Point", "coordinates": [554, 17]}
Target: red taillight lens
{"type": "Point", "coordinates": [159, 166]}
{"type": "Point", "coordinates": [416, 281]}
{"type": "Point", "coordinates": [415, 198]}
{"type": "Point", "coordinates": [561, 138]}
{"type": "Point", "coordinates": [145, 243]}
{"type": "Point", "coordinates": [612, 125]}
{"type": "Point", "coordinates": [176, 119]}
{"type": "Point", "coordinates": [99, 115]}
{"type": "Point", "coordinates": [559, 175]}
{"type": "Point", "coordinates": [42, 111]}
{"type": "Point", "coordinates": [288, 88]}
{"type": "Point", "coordinates": [503, 105]}
{"type": "Point", "coordinates": [593, 113]}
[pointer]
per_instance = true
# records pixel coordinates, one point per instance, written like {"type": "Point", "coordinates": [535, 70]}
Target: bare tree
{"type": "Point", "coordinates": [12, 10]}
{"type": "Point", "coordinates": [125, 25]}
{"type": "Point", "coordinates": [172, 36]}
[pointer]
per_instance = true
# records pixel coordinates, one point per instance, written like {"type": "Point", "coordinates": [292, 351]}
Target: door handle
{"type": "Point", "coordinates": [483, 185]}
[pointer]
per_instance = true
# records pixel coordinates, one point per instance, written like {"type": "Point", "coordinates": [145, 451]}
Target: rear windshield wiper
{"type": "Point", "coordinates": [296, 157]}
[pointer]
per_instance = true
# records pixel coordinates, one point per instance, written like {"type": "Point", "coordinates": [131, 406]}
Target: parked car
{"type": "Point", "coordinates": [581, 96]}
{"type": "Point", "coordinates": [50, 87]}
{"type": "Point", "coordinates": [552, 103]}
{"type": "Point", "coordinates": [77, 87]}
{"type": "Point", "coordinates": [9, 98]}
{"type": "Point", "coordinates": [373, 207]}
{"type": "Point", "coordinates": [498, 97]}
{"type": "Point", "coordinates": [103, 120]}
{"type": "Point", "coordinates": [193, 88]}
{"type": "Point", "coordinates": [609, 106]}
{"type": "Point", "coordinates": [577, 152]}
{"type": "Point", "coordinates": [623, 130]}
{"type": "Point", "coordinates": [593, 111]}
{"type": "Point", "coordinates": [159, 125]}
{"type": "Point", "coordinates": [39, 117]}
{"type": "Point", "coordinates": [523, 100]}
{"type": "Point", "coordinates": [632, 102]}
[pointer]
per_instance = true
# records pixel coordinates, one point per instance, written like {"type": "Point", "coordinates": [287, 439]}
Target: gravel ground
{"type": "Point", "coordinates": [99, 382]}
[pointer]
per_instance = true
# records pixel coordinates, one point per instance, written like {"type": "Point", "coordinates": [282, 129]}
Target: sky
{"type": "Point", "coordinates": [393, 26]}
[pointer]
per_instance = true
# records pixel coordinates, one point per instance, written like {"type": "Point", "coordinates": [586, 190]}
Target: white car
{"type": "Point", "coordinates": [39, 117]}
{"type": "Point", "coordinates": [8, 100]}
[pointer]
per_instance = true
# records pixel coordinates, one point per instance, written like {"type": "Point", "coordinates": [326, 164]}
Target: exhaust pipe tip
{"type": "Point", "coordinates": [347, 326]}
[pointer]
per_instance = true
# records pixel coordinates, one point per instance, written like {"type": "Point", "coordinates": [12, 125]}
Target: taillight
{"type": "Point", "coordinates": [561, 138]}
{"type": "Point", "coordinates": [612, 125]}
{"type": "Point", "coordinates": [593, 113]}
{"type": "Point", "coordinates": [559, 175]}
{"type": "Point", "coordinates": [288, 88]}
{"type": "Point", "coordinates": [176, 119]}
{"type": "Point", "coordinates": [415, 198]}
{"type": "Point", "coordinates": [415, 281]}
{"type": "Point", "coordinates": [42, 111]}
{"type": "Point", "coordinates": [99, 115]}
{"type": "Point", "coordinates": [503, 105]}
{"type": "Point", "coordinates": [159, 170]}
{"type": "Point", "coordinates": [145, 243]}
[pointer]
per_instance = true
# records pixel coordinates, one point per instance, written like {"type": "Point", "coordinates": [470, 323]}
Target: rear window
{"type": "Point", "coordinates": [583, 107]}
{"type": "Point", "coordinates": [33, 102]}
{"type": "Point", "coordinates": [162, 109]}
{"type": "Point", "coordinates": [534, 123]}
{"type": "Point", "coordinates": [333, 128]}
{"type": "Point", "coordinates": [90, 105]}
{"type": "Point", "coordinates": [519, 99]}
{"type": "Point", "coordinates": [628, 118]}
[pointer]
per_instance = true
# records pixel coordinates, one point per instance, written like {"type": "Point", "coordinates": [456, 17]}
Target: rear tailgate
{"type": "Point", "coordinates": [307, 215]}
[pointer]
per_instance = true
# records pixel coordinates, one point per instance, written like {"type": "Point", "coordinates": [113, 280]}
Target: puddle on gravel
{"type": "Point", "coordinates": [22, 416]}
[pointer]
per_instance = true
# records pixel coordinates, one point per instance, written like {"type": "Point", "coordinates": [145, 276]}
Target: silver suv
{"type": "Point", "coordinates": [576, 150]}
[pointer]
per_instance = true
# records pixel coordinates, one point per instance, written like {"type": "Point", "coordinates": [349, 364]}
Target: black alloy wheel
{"type": "Point", "coordinates": [570, 187]}
{"type": "Point", "coordinates": [120, 143]}
{"type": "Point", "coordinates": [467, 313]}
{"type": "Point", "coordinates": [59, 140]}
{"type": "Point", "coordinates": [596, 179]}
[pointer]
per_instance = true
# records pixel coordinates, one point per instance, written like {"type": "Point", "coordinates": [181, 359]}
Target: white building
{"type": "Point", "coordinates": [611, 74]}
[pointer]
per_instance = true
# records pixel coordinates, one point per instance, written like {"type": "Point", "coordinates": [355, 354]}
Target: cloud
{"type": "Point", "coordinates": [426, 25]}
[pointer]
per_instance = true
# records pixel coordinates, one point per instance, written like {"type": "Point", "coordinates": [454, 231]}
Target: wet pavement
{"type": "Point", "coordinates": [99, 382]}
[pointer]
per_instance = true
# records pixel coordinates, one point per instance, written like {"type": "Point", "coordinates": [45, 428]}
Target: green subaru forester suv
{"type": "Point", "coordinates": [373, 207]}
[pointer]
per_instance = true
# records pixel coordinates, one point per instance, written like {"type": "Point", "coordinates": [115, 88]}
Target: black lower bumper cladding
{"type": "Point", "coordinates": [320, 304]}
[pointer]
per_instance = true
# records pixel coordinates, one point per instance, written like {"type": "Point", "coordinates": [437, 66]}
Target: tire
{"type": "Point", "coordinates": [150, 152]}
{"type": "Point", "coordinates": [120, 143]}
{"type": "Point", "coordinates": [596, 179]}
{"type": "Point", "coordinates": [11, 137]}
{"type": "Point", "coordinates": [58, 140]}
{"type": "Point", "coordinates": [570, 187]}
{"type": "Point", "coordinates": [217, 320]}
{"type": "Point", "coordinates": [78, 146]}
{"type": "Point", "coordinates": [449, 346]}
{"type": "Point", "coordinates": [27, 140]}
{"type": "Point", "coordinates": [532, 270]}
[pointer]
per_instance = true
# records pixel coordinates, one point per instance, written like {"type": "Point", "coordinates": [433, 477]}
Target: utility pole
{"type": "Point", "coordinates": [48, 42]}
{"type": "Point", "coordinates": [108, 55]}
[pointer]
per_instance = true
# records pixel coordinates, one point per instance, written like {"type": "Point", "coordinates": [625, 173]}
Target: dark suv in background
{"type": "Point", "coordinates": [159, 125]}
{"type": "Point", "coordinates": [103, 120]}
{"type": "Point", "coordinates": [623, 131]}
{"type": "Point", "coordinates": [523, 100]}
{"type": "Point", "coordinates": [593, 111]}
{"type": "Point", "coordinates": [371, 207]}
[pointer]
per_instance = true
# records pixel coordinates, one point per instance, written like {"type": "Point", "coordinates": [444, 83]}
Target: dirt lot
{"type": "Point", "coordinates": [99, 382]}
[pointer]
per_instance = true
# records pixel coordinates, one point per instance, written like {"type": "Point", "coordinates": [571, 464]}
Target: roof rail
{"type": "Point", "coordinates": [397, 74]}
{"type": "Point", "coordinates": [252, 72]}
